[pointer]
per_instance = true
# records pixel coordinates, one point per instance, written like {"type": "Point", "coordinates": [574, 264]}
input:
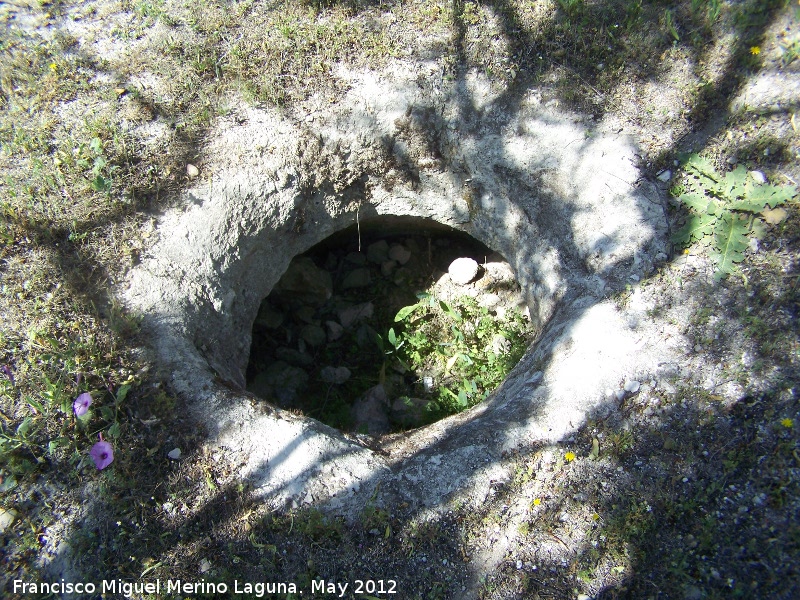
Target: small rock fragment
{"type": "Point", "coordinates": [664, 176]}
{"type": "Point", "coordinates": [387, 267]}
{"type": "Point", "coordinates": [334, 330]}
{"type": "Point", "coordinates": [174, 454]}
{"type": "Point", "coordinates": [758, 177]}
{"type": "Point", "coordinates": [337, 375]}
{"type": "Point", "coordinates": [192, 171]}
{"type": "Point", "coordinates": [352, 314]}
{"type": "Point", "coordinates": [463, 270]}
{"type": "Point", "coordinates": [314, 335]}
{"type": "Point", "coordinates": [356, 279]}
{"type": "Point", "coordinates": [632, 386]}
{"type": "Point", "coordinates": [305, 314]}
{"type": "Point", "coordinates": [399, 253]}
{"type": "Point", "coordinates": [369, 412]}
{"type": "Point", "coordinates": [378, 252]}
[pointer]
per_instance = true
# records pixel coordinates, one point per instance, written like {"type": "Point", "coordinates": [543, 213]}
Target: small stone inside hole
{"type": "Point", "coordinates": [386, 331]}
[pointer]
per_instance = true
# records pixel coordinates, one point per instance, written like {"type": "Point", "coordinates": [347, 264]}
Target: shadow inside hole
{"type": "Point", "coordinates": [322, 343]}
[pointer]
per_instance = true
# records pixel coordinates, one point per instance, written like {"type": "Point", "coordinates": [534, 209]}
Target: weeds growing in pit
{"type": "Point", "coordinates": [464, 349]}
{"type": "Point", "coordinates": [726, 209]}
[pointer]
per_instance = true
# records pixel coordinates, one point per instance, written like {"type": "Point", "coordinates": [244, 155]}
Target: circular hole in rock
{"type": "Point", "coordinates": [388, 325]}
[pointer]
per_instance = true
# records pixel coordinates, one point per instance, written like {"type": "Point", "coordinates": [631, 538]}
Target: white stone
{"type": "Point", "coordinates": [463, 270]}
{"type": "Point", "coordinates": [174, 454]}
{"type": "Point", "coordinates": [758, 177]}
{"type": "Point", "coordinates": [632, 386]}
{"type": "Point", "coordinates": [665, 175]}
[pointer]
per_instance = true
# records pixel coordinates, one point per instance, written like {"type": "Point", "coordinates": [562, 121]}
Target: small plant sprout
{"type": "Point", "coordinates": [102, 453]}
{"type": "Point", "coordinates": [82, 404]}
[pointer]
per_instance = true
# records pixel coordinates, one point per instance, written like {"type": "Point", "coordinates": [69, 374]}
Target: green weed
{"type": "Point", "coordinates": [460, 345]}
{"type": "Point", "coordinates": [725, 210]}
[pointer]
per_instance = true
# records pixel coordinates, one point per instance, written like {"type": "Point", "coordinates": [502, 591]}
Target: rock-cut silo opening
{"type": "Point", "coordinates": [305, 283]}
{"type": "Point", "coordinates": [388, 325]}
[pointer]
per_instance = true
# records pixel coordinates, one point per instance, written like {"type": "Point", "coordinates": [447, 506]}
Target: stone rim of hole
{"type": "Point", "coordinates": [557, 194]}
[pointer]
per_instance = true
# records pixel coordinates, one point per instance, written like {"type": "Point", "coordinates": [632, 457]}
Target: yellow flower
{"type": "Point", "coordinates": [595, 517]}
{"type": "Point", "coordinates": [53, 67]}
{"type": "Point", "coordinates": [755, 50]}
{"type": "Point", "coordinates": [788, 423]}
{"type": "Point", "coordinates": [537, 501]}
{"type": "Point", "coordinates": [569, 456]}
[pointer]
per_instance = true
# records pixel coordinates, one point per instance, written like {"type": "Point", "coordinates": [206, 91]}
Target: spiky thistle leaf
{"type": "Point", "coordinates": [730, 239]}
{"type": "Point", "coordinates": [696, 228]}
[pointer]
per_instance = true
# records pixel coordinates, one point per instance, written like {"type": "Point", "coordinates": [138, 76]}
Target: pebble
{"type": "Point", "coordinates": [314, 335]}
{"type": "Point", "coordinates": [387, 267]}
{"type": "Point", "coordinates": [399, 254]}
{"type": "Point", "coordinates": [334, 330]}
{"type": "Point", "coordinates": [758, 177]}
{"type": "Point", "coordinates": [463, 270]}
{"type": "Point", "coordinates": [192, 171]}
{"type": "Point", "coordinates": [7, 518]}
{"type": "Point", "coordinates": [664, 176]}
{"type": "Point", "coordinates": [174, 454]}
{"type": "Point", "coordinates": [337, 375]}
{"type": "Point", "coordinates": [356, 279]}
{"type": "Point", "coordinates": [377, 252]}
{"type": "Point", "coordinates": [632, 386]}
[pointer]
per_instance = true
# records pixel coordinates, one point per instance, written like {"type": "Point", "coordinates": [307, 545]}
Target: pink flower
{"type": "Point", "coordinates": [102, 454]}
{"type": "Point", "coordinates": [82, 404]}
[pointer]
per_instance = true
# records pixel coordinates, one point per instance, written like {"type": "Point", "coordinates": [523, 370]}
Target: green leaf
{"type": "Point", "coordinates": [114, 431]}
{"type": "Point", "coordinates": [25, 426]}
{"type": "Point", "coordinates": [53, 445]}
{"type": "Point", "coordinates": [454, 314]}
{"type": "Point", "coordinates": [96, 145]}
{"type": "Point", "coordinates": [762, 196]}
{"type": "Point", "coordinates": [698, 202]}
{"type": "Point", "coordinates": [701, 166]}
{"type": "Point", "coordinates": [392, 337]}
{"type": "Point", "coordinates": [404, 312]}
{"type": "Point", "coordinates": [730, 237]}
{"type": "Point", "coordinates": [122, 392]}
{"type": "Point", "coordinates": [101, 184]}
{"type": "Point", "coordinates": [696, 227]}
{"type": "Point", "coordinates": [733, 184]}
